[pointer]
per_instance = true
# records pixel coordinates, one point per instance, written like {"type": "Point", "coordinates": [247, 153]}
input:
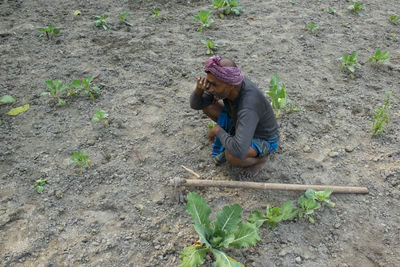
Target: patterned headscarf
{"type": "Point", "coordinates": [230, 75]}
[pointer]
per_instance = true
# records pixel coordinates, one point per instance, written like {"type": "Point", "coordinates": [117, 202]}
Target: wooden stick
{"type": "Point", "coordinates": [269, 186]}
{"type": "Point", "coordinates": [191, 171]}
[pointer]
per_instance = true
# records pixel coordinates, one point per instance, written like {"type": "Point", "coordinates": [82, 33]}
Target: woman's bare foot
{"type": "Point", "coordinates": [255, 169]}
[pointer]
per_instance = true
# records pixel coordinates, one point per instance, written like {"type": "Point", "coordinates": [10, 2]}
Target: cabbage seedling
{"type": "Point", "coordinates": [39, 185]}
{"type": "Point", "coordinates": [56, 87]}
{"type": "Point", "coordinates": [49, 31]}
{"type": "Point", "coordinates": [380, 57]}
{"type": "Point", "coordinates": [210, 46]}
{"type": "Point", "coordinates": [356, 7]}
{"type": "Point", "coordinates": [156, 13]}
{"type": "Point", "coordinates": [226, 7]}
{"type": "Point", "coordinates": [204, 18]}
{"type": "Point", "coordinates": [85, 85]}
{"type": "Point", "coordinates": [381, 118]}
{"type": "Point", "coordinates": [211, 125]}
{"type": "Point", "coordinates": [278, 95]}
{"type": "Point", "coordinates": [81, 158]}
{"type": "Point", "coordinates": [123, 17]}
{"type": "Point", "coordinates": [101, 21]}
{"type": "Point", "coordinates": [331, 11]}
{"type": "Point", "coordinates": [394, 19]}
{"type": "Point", "coordinates": [310, 27]}
{"type": "Point", "coordinates": [226, 231]}
{"type": "Point", "coordinates": [7, 99]}
{"type": "Point", "coordinates": [99, 115]}
{"type": "Point", "coordinates": [287, 212]}
{"type": "Point", "coordinates": [349, 63]}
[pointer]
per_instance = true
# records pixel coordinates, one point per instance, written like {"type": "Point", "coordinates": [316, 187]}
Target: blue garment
{"type": "Point", "coordinates": [262, 147]}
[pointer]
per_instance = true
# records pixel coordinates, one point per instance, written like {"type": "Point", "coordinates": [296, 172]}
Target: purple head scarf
{"type": "Point", "coordinates": [230, 75]}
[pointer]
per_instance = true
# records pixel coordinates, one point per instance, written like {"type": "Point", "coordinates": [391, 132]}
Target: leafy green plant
{"type": "Point", "coordinates": [311, 27]}
{"type": "Point", "coordinates": [57, 88]}
{"type": "Point", "coordinates": [273, 215]}
{"type": "Point", "coordinates": [278, 95]}
{"type": "Point", "coordinates": [211, 125]}
{"type": "Point", "coordinates": [356, 7]}
{"type": "Point", "coordinates": [123, 17]}
{"type": "Point", "coordinates": [81, 158]}
{"type": "Point", "coordinates": [226, 231]}
{"type": "Point", "coordinates": [349, 63]}
{"type": "Point", "coordinates": [226, 7]}
{"type": "Point", "coordinates": [49, 31]}
{"type": "Point", "coordinates": [39, 185]}
{"type": "Point", "coordinates": [84, 86]}
{"type": "Point", "coordinates": [156, 13]}
{"type": "Point", "coordinates": [381, 117]}
{"type": "Point", "coordinates": [322, 196]}
{"type": "Point", "coordinates": [99, 115]}
{"type": "Point", "coordinates": [204, 18]}
{"type": "Point", "coordinates": [394, 19]}
{"type": "Point", "coordinates": [101, 21]}
{"type": "Point", "coordinates": [380, 56]}
{"type": "Point", "coordinates": [331, 11]}
{"type": "Point", "coordinates": [210, 46]}
{"type": "Point", "coordinates": [7, 99]}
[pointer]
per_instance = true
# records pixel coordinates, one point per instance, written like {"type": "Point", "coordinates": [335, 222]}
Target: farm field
{"type": "Point", "coordinates": [121, 210]}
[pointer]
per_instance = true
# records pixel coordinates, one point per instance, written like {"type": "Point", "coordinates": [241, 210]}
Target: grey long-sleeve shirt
{"type": "Point", "coordinates": [251, 113]}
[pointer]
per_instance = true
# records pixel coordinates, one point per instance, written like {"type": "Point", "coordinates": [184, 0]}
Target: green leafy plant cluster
{"type": "Point", "coordinates": [156, 13]}
{"type": "Point", "coordinates": [80, 158]}
{"type": "Point", "coordinates": [210, 46]}
{"type": "Point", "coordinates": [123, 18]}
{"type": "Point", "coordinates": [59, 90]}
{"type": "Point", "coordinates": [6, 99]}
{"type": "Point", "coordinates": [278, 96]}
{"type": "Point", "coordinates": [101, 22]}
{"type": "Point", "coordinates": [230, 231]}
{"type": "Point", "coordinates": [204, 17]}
{"type": "Point", "coordinates": [381, 117]}
{"type": "Point", "coordinates": [349, 63]}
{"type": "Point", "coordinates": [380, 57]}
{"type": "Point", "coordinates": [356, 7]}
{"type": "Point", "coordinates": [394, 19]}
{"type": "Point", "coordinates": [226, 7]}
{"type": "Point", "coordinates": [39, 185]}
{"type": "Point", "coordinates": [99, 115]}
{"type": "Point", "coordinates": [311, 27]}
{"type": "Point", "coordinates": [49, 31]}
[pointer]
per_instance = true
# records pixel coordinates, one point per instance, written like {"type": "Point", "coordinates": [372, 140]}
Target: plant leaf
{"type": "Point", "coordinates": [257, 218]}
{"type": "Point", "coordinates": [204, 233]}
{"type": "Point", "coordinates": [289, 211]}
{"type": "Point", "coordinates": [18, 110]}
{"type": "Point", "coordinates": [246, 235]}
{"type": "Point", "coordinates": [193, 256]}
{"type": "Point", "coordinates": [223, 260]}
{"type": "Point", "coordinates": [6, 99]}
{"type": "Point", "coordinates": [198, 208]}
{"type": "Point", "coordinates": [229, 217]}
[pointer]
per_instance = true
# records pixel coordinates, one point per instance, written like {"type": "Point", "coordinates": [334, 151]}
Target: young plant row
{"type": "Point", "coordinates": [229, 231]}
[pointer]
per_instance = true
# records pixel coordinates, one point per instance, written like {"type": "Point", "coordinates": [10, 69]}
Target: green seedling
{"type": "Point", "coordinates": [156, 13]}
{"type": "Point", "coordinates": [394, 37]}
{"type": "Point", "coordinates": [381, 117]}
{"type": "Point", "coordinates": [308, 205]}
{"type": "Point", "coordinates": [226, 7]}
{"type": "Point", "coordinates": [7, 99]}
{"type": "Point", "coordinates": [39, 185]}
{"type": "Point", "coordinates": [394, 19]}
{"type": "Point", "coordinates": [81, 158]}
{"type": "Point", "coordinates": [123, 17]}
{"type": "Point", "coordinates": [204, 18]}
{"type": "Point", "coordinates": [322, 196]}
{"type": "Point", "coordinates": [331, 11]}
{"type": "Point", "coordinates": [84, 86]}
{"type": "Point", "coordinates": [49, 31]}
{"type": "Point", "coordinates": [356, 7]}
{"type": "Point", "coordinates": [349, 63]}
{"type": "Point", "coordinates": [101, 21]}
{"type": "Point", "coordinates": [278, 95]}
{"type": "Point", "coordinates": [211, 125]}
{"type": "Point", "coordinates": [99, 115]}
{"type": "Point", "coordinates": [56, 87]}
{"type": "Point", "coordinates": [380, 57]}
{"type": "Point", "coordinates": [226, 231]}
{"type": "Point", "coordinates": [311, 27]}
{"type": "Point", "coordinates": [273, 215]}
{"type": "Point", "coordinates": [210, 46]}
